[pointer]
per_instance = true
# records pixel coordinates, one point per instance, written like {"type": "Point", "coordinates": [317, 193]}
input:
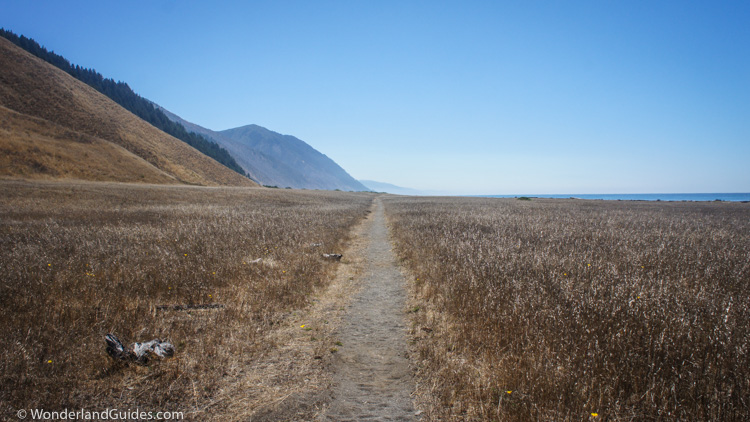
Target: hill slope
{"type": "Point", "coordinates": [297, 164]}
{"type": "Point", "coordinates": [49, 122]}
{"type": "Point", "coordinates": [123, 95]}
{"type": "Point", "coordinates": [250, 161]}
{"type": "Point", "coordinates": [278, 160]}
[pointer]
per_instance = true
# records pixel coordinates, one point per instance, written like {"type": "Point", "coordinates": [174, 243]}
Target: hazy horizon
{"type": "Point", "coordinates": [556, 194]}
{"type": "Point", "coordinates": [482, 98]}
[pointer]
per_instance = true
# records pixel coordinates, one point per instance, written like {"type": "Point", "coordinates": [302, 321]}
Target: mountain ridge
{"type": "Point", "coordinates": [308, 167]}
{"type": "Point", "coordinates": [56, 126]}
{"type": "Point", "coordinates": [262, 155]}
{"type": "Point", "coordinates": [122, 94]}
{"type": "Point", "coordinates": [274, 159]}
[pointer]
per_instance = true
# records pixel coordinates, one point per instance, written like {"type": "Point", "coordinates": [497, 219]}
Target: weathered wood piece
{"type": "Point", "coordinates": [115, 348]}
{"type": "Point", "coordinates": [333, 256]}
{"type": "Point", "coordinates": [139, 353]}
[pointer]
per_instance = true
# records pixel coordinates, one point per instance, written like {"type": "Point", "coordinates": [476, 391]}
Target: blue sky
{"type": "Point", "coordinates": [462, 97]}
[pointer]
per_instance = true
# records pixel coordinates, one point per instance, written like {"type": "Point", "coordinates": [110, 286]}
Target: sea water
{"type": "Point", "coordinates": [734, 197]}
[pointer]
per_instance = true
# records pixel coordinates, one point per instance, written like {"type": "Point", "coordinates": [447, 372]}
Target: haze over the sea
{"type": "Point", "coordinates": [732, 197]}
{"type": "Point", "coordinates": [489, 97]}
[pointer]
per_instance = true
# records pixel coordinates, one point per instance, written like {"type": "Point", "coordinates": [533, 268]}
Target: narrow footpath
{"type": "Point", "coordinates": [372, 379]}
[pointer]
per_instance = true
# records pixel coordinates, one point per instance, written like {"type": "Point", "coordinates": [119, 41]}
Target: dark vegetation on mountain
{"type": "Point", "coordinates": [123, 95]}
{"type": "Point", "coordinates": [53, 126]}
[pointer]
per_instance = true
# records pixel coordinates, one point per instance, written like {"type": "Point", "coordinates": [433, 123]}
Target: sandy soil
{"type": "Point", "coordinates": [372, 378]}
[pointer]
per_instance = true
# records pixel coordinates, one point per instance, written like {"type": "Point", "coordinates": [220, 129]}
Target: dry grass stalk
{"type": "Point", "coordinates": [560, 309]}
{"type": "Point", "coordinates": [80, 260]}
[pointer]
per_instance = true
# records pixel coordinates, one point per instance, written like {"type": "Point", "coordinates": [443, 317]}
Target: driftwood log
{"type": "Point", "coordinates": [139, 353]}
{"type": "Point", "coordinates": [332, 256]}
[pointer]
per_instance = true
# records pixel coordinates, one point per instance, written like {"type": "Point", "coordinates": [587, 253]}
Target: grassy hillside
{"type": "Point", "coordinates": [33, 148]}
{"type": "Point", "coordinates": [123, 95]}
{"type": "Point", "coordinates": [58, 119]}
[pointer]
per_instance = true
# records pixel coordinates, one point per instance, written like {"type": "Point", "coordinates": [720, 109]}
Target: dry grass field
{"type": "Point", "coordinates": [79, 260]}
{"type": "Point", "coordinates": [578, 310]}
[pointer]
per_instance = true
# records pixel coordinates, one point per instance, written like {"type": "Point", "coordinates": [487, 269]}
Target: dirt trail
{"type": "Point", "coordinates": [372, 379]}
{"type": "Point", "coordinates": [368, 377]}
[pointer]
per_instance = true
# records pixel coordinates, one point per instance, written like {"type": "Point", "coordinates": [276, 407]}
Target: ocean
{"type": "Point", "coordinates": [733, 197]}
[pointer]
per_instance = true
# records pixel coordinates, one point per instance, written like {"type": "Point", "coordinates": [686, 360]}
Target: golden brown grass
{"type": "Point", "coordinates": [80, 260]}
{"type": "Point", "coordinates": [77, 113]}
{"type": "Point", "coordinates": [34, 148]}
{"type": "Point", "coordinates": [576, 310]}
{"type": "Point", "coordinates": [292, 379]}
